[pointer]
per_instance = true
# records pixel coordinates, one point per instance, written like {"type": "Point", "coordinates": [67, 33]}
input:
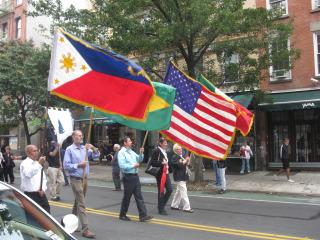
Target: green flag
{"type": "Point", "coordinates": [159, 116]}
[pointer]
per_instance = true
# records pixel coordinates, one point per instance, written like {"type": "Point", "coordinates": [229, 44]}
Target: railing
{"type": "Point", "coordinates": [6, 7]}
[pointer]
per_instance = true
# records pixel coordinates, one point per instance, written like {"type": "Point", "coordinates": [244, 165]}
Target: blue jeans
{"type": "Point", "coordinates": [245, 163]}
{"type": "Point", "coordinates": [217, 173]}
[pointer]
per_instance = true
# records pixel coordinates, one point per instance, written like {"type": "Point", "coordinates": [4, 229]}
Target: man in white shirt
{"type": "Point", "coordinates": [31, 171]}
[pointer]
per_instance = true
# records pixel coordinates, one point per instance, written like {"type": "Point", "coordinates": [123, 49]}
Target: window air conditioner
{"type": "Point", "coordinates": [281, 73]}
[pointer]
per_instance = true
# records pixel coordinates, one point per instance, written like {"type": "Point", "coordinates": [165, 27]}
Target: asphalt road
{"type": "Point", "coordinates": [229, 216]}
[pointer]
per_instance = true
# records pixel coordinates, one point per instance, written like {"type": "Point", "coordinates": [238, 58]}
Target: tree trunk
{"type": "Point", "coordinates": [26, 129]}
{"type": "Point", "coordinates": [197, 166]}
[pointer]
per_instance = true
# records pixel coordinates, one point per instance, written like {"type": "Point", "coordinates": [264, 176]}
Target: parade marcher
{"type": "Point", "coordinates": [129, 163]}
{"type": "Point", "coordinates": [285, 152]}
{"type": "Point", "coordinates": [1, 167]}
{"type": "Point", "coordinates": [222, 166]}
{"type": "Point", "coordinates": [116, 168]}
{"type": "Point", "coordinates": [180, 176]}
{"type": "Point", "coordinates": [8, 165]}
{"type": "Point", "coordinates": [31, 171]}
{"type": "Point", "coordinates": [245, 154]}
{"type": "Point", "coordinates": [75, 164]}
{"type": "Point", "coordinates": [159, 159]}
{"type": "Point", "coordinates": [55, 175]}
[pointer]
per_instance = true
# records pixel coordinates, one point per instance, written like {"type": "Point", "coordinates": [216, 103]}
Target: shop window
{"type": "Point", "coordinates": [278, 6]}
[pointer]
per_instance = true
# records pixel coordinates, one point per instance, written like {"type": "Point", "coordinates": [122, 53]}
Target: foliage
{"type": "Point", "coordinates": [155, 30]}
{"type": "Point", "coordinates": [23, 84]}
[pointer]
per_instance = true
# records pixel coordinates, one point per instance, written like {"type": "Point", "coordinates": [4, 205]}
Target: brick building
{"type": "Point", "coordinates": [294, 109]}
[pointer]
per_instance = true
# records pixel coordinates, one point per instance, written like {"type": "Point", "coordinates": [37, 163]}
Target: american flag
{"type": "Point", "coordinates": [202, 121]}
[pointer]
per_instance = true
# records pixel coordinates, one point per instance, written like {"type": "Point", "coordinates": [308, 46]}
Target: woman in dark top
{"type": "Point", "coordinates": [159, 158]}
{"type": "Point", "coordinates": [180, 176]}
{"type": "Point", "coordinates": [9, 165]}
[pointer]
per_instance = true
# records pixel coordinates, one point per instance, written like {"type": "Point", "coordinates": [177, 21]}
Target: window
{"type": "Point", "coordinates": [280, 59]}
{"type": "Point", "coordinates": [316, 50]}
{"type": "Point", "coordinates": [4, 31]}
{"type": "Point", "coordinates": [18, 27]}
{"type": "Point", "coordinates": [231, 68]}
{"type": "Point", "coordinates": [18, 2]}
{"type": "Point", "coordinates": [315, 4]}
{"type": "Point", "coordinates": [279, 6]}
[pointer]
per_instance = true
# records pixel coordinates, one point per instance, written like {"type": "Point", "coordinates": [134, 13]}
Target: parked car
{"type": "Point", "coordinates": [22, 218]}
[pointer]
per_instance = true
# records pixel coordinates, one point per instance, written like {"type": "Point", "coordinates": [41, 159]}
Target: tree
{"type": "Point", "coordinates": [205, 34]}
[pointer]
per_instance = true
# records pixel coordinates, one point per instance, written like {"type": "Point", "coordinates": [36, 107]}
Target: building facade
{"type": "Point", "coordinates": [293, 108]}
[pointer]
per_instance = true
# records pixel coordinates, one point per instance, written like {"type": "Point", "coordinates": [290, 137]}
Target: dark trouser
{"type": "Point", "coordinates": [164, 197]}
{"type": "Point", "coordinates": [66, 180]}
{"type": "Point", "coordinates": [131, 185]}
{"type": "Point", "coordinates": [40, 199]}
{"type": "Point", "coordinates": [116, 179]}
{"type": "Point", "coordinates": [8, 172]}
{"type": "Point", "coordinates": [1, 174]}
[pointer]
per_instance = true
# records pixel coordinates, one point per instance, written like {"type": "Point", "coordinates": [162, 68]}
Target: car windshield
{"type": "Point", "coordinates": [21, 219]}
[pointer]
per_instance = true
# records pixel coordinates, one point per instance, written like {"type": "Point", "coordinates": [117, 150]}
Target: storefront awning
{"type": "Point", "coordinates": [291, 101]}
{"type": "Point", "coordinates": [243, 99]}
{"type": "Point", "coordinates": [85, 116]}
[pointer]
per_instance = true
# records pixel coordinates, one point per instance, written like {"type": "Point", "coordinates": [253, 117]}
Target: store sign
{"type": "Point", "coordinates": [308, 105]}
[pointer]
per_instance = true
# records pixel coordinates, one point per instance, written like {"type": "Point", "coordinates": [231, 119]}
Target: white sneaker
{"type": "Point", "coordinates": [290, 180]}
{"type": "Point", "coordinates": [275, 177]}
{"type": "Point", "coordinates": [249, 171]}
{"type": "Point", "coordinates": [242, 172]}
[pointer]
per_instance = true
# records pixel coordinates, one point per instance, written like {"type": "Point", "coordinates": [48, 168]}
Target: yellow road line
{"type": "Point", "coordinates": [185, 225]}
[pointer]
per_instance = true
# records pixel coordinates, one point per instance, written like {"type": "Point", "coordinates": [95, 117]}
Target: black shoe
{"type": "Point", "coordinates": [124, 218]}
{"type": "Point", "coordinates": [55, 199]}
{"type": "Point", "coordinates": [163, 212]}
{"type": "Point", "coordinates": [174, 208]}
{"type": "Point", "coordinates": [146, 219]}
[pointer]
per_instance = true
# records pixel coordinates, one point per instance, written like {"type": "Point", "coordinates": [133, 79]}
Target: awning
{"type": "Point", "coordinates": [85, 116]}
{"type": "Point", "coordinates": [291, 101]}
{"type": "Point", "coordinates": [244, 99]}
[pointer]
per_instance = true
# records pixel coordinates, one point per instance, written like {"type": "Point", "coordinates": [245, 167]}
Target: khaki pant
{"type": "Point", "coordinates": [79, 188]}
{"type": "Point", "coordinates": [56, 180]}
{"type": "Point", "coordinates": [181, 198]}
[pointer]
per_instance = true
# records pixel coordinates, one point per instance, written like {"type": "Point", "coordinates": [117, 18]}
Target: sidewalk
{"type": "Point", "coordinates": [306, 183]}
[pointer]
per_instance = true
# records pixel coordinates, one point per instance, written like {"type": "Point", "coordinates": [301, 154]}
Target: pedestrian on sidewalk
{"type": "Point", "coordinates": [129, 163]}
{"type": "Point", "coordinates": [217, 173]}
{"type": "Point", "coordinates": [55, 175]}
{"type": "Point", "coordinates": [245, 154]}
{"type": "Point", "coordinates": [285, 153]}
{"type": "Point", "coordinates": [222, 166]}
{"type": "Point", "coordinates": [1, 167]}
{"type": "Point", "coordinates": [8, 165]}
{"type": "Point", "coordinates": [116, 168]}
{"type": "Point", "coordinates": [180, 176]}
{"type": "Point", "coordinates": [160, 159]}
{"type": "Point", "coordinates": [31, 171]}
{"type": "Point", "coordinates": [76, 164]}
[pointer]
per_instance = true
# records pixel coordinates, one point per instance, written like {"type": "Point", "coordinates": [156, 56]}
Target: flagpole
{"type": "Point", "coordinates": [88, 141]}
{"type": "Point", "coordinates": [145, 139]}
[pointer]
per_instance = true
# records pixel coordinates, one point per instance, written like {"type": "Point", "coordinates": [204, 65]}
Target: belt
{"type": "Point", "coordinates": [130, 174]}
{"type": "Point", "coordinates": [26, 192]}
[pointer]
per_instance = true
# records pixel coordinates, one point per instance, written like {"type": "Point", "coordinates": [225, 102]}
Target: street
{"type": "Point", "coordinates": [229, 216]}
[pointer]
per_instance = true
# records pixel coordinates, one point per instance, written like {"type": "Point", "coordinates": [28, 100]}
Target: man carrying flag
{"type": "Point", "coordinates": [91, 76]}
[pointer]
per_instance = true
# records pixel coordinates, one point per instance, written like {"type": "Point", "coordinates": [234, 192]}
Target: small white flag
{"type": "Point", "coordinates": [62, 122]}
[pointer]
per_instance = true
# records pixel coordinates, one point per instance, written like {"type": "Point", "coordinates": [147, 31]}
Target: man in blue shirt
{"type": "Point", "coordinates": [76, 164]}
{"type": "Point", "coordinates": [129, 163]}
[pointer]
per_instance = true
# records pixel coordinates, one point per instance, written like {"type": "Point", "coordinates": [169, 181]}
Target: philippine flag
{"type": "Point", "coordinates": [92, 76]}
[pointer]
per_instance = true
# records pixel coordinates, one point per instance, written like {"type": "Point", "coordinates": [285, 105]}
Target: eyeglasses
{"type": "Point", "coordinates": [35, 150]}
